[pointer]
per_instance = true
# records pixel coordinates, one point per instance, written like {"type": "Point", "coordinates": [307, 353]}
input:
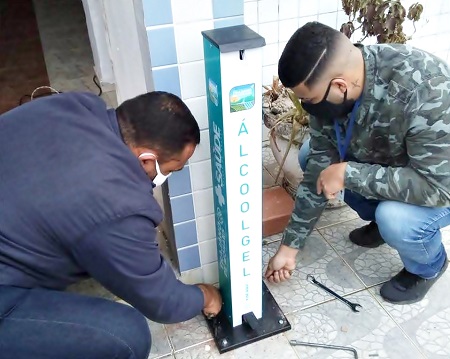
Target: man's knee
{"type": "Point", "coordinates": [396, 223]}
{"type": "Point", "coordinates": [131, 331]}
{"type": "Point", "coordinates": [387, 216]}
{"type": "Point", "coordinates": [138, 336]}
{"type": "Point", "coordinates": [303, 154]}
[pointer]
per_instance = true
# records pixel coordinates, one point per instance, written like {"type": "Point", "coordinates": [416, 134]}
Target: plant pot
{"type": "Point", "coordinates": [291, 171]}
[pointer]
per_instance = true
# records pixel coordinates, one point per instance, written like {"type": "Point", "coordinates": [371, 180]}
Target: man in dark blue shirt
{"type": "Point", "coordinates": [76, 201]}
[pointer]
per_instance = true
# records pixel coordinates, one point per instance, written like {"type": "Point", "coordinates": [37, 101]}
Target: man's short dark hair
{"type": "Point", "coordinates": [158, 120]}
{"type": "Point", "coordinates": [304, 58]}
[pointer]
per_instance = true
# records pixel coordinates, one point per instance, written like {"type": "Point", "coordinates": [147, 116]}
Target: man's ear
{"type": "Point", "coordinates": [341, 84]}
{"type": "Point", "coordinates": [146, 156]}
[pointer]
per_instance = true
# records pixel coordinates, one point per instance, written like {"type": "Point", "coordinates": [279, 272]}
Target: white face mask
{"type": "Point", "coordinates": [160, 177]}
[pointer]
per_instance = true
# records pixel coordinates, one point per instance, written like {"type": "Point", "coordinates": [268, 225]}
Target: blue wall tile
{"type": "Point", "coordinates": [180, 182]}
{"type": "Point", "coordinates": [229, 21]}
{"type": "Point", "coordinates": [167, 79]}
{"type": "Point", "coordinates": [157, 12]}
{"type": "Point", "coordinates": [162, 46]}
{"type": "Point", "coordinates": [182, 208]}
{"type": "Point", "coordinates": [223, 8]}
{"type": "Point", "coordinates": [189, 258]}
{"type": "Point", "coordinates": [185, 234]}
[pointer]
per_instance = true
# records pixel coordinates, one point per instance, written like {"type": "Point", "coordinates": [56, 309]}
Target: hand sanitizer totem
{"type": "Point", "coordinates": [233, 69]}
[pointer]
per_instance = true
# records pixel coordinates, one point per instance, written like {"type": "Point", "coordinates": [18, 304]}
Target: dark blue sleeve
{"type": "Point", "coordinates": [124, 257]}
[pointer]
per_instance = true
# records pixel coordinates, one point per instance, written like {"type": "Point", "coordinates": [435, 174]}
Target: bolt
{"type": "Point", "coordinates": [281, 321]}
{"type": "Point", "coordinates": [224, 342]}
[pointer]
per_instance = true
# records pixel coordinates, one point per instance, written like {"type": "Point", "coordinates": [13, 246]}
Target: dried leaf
{"type": "Point", "coordinates": [390, 24]}
{"type": "Point", "coordinates": [370, 12]}
{"type": "Point", "coordinates": [347, 6]}
{"type": "Point", "coordinates": [415, 11]}
{"type": "Point", "coordinates": [378, 28]}
{"type": "Point", "coordinates": [347, 29]}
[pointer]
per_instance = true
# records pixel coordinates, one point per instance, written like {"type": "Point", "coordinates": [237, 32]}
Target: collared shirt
{"type": "Point", "coordinates": [400, 141]}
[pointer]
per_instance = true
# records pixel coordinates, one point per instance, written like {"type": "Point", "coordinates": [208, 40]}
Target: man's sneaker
{"type": "Point", "coordinates": [406, 288]}
{"type": "Point", "coordinates": [367, 236]}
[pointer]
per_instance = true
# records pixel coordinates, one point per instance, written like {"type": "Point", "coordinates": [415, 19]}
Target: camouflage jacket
{"type": "Point", "coordinates": [400, 140]}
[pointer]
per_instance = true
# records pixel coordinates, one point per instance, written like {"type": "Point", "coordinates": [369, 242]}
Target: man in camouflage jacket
{"type": "Point", "coordinates": [380, 134]}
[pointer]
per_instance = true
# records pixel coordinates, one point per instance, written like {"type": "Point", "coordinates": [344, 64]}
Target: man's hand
{"type": "Point", "coordinates": [281, 264]}
{"type": "Point", "coordinates": [212, 299]}
{"type": "Point", "coordinates": [331, 180]}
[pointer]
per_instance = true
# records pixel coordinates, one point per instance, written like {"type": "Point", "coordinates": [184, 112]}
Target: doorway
{"type": "Point", "coordinates": [49, 44]}
{"type": "Point", "coordinates": [45, 43]}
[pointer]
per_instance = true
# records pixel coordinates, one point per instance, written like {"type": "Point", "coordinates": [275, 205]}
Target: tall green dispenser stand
{"type": "Point", "coordinates": [233, 69]}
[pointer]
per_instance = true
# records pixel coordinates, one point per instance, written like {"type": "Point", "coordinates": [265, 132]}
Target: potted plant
{"type": "Point", "coordinates": [380, 18]}
{"type": "Point", "coordinates": [287, 122]}
{"type": "Point", "coordinates": [283, 114]}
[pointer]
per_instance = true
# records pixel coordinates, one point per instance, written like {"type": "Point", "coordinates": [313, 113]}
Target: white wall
{"type": "Point", "coordinates": [277, 20]}
{"type": "Point", "coordinates": [128, 47]}
{"type": "Point", "coordinates": [96, 26]}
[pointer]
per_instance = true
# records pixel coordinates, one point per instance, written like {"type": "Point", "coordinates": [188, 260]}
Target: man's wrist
{"type": "Point", "coordinates": [351, 175]}
{"type": "Point", "coordinates": [288, 251]}
{"type": "Point", "coordinates": [205, 294]}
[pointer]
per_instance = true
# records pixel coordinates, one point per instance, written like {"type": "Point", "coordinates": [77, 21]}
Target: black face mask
{"type": "Point", "coordinates": [327, 110]}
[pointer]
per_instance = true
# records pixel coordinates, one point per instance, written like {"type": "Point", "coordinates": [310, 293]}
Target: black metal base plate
{"type": "Point", "coordinates": [273, 322]}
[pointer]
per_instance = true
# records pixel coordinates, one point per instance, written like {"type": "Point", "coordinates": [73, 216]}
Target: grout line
{"type": "Point", "coordinates": [161, 26]}
{"type": "Point", "coordinates": [295, 311]}
{"type": "Point", "coordinates": [367, 288]}
{"type": "Point", "coordinates": [162, 67]}
{"type": "Point", "coordinates": [194, 345]}
{"type": "Point", "coordinates": [182, 222]}
{"type": "Point", "coordinates": [172, 347]}
{"type": "Point", "coordinates": [346, 263]}
{"type": "Point", "coordinates": [168, 355]}
{"type": "Point", "coordinates": [336, 223]}
{"type": "Point", "coordinates": [187, 247]}
{"type": "Point", "coordinates": [396, 323]}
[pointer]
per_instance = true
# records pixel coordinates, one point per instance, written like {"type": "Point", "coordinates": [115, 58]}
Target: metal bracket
{"type": "Point", "coordinates": [273, 322]}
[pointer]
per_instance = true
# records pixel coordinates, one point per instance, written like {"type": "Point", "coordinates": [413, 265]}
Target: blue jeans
{"type": "Point", "coordinates": [414, 231]}
{"type": "Point", "coordinates": [40, 323]}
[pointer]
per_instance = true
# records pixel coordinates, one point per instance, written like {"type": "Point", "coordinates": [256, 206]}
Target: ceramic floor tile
{"type": "Point", "coordinates": [320, 260]}
{"type": "Point", "coordinates": [332, 216]}
{"type": "Point", "coordinates": [160, 342]}
{"type": "Point", "coordinates": [92, 288]}
{"type": "Point", "coordinates": [372, 265]}
{"type": "Point", "coordinates": [426, 322]}
{"type": "Point", "coordinates": [272, 347]}
{"type": "Point", "coordinates": [189, 333]}
{"type": "Point", "coordinates": [371, 332]}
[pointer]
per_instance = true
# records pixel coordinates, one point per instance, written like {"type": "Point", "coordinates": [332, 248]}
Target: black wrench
{"type": "Point", "coordinates": [353, 306]}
